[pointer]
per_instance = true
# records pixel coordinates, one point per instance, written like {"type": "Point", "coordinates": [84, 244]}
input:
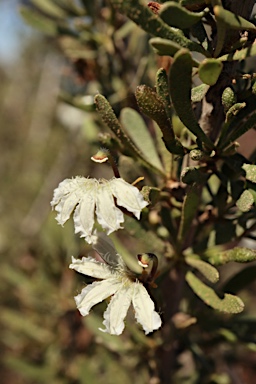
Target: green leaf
{"type": "Point", "coordinates": [162, 89]}
{"type": "Point", "coordinates": [253, 193]}
{"type": "Point", "coordinates": [175, 15]}
{"type": "Point", "coordinates": [238, 131]}
{"type": "Point", "coordinates": [189, 209]}
{"type": "Point", "coordinates": [38, 21]}
{"type": "Point", "coordinates": [209, 71]}
{"type": "Point", "coordinates": [204, 268]}
{"type": "Point", "coordinates": [152, 105]}
{"type": "Point", "coordinates": [199, 92]}
{"type": "Point", "coordinates": [221, 36]}
{"type": "Point", "coordinates": [190, 175]}
{"type": "Point", "coordinates": [232, 20]}
{"type": "Point", "coordinates": [164, 47]}
{"type": "Point", "coordinates": [229, 303]}
{"type": "Point", "coordinates": [253, 87]}
{"type": "Point", "coordinates": [245, 201]}
{"type": "Point", "coordinates": [198, 31]}
{"type": "Point", "coordinates": [233, 111]}
{"type": "Point", "coordinates": [150, 194]}
{"type": "Point", "coordinates": [237, 254]}
{"type": "Point", "coordinates": [166, 157]}
{"type": "Point", "coordinates": [138, 132]}
{"type": "Point", "coordinates": [146, 240]}
{"type": "Point", "coordinates": [191, 4]}
{"type": "Point", "coordinates": [75, 49]}
{"type": "Point", "coordinates": [180, 80]}
{"type": "Point", "coordinates": [227, 20]}
{"type": "Point", "coordinates": [239, 55]}
{"type": "Point", "coordinates": [250, 171]}
{"type": "Point", "coordinates": [108, 116]}
{"type": "Point", "coordinates": [50, 8]}
{"type": "Point", "coordinates": [153, 24]}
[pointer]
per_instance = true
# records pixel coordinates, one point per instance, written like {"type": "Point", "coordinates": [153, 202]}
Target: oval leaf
{"type": "Point", "coordinates": [153, 24]}
{"type": "Point", "coordinates": [164, 47]}
{"type": "Point", "coordinates": [108, 116]}
{"type": "Point", "coordinates": [39, 21]}
{"type": "Point", "coordinates": [153, 105]}
{"type": "Point", "coordinates": [138, 132]}
{"type": "Point", "coordinates": [180, 80]}
{"type": "Point", "coordinates": [177, 16]}
{"type": "Point", "coordinates": [204, 268]}
{"type": "Point", "coordinates": [209, 71]}
{"type": "Point", "coordinates": [237, 254]}
{"type": "Point", "coordinates": [199, 92]}
{"type": "Point", "coordinates": [245, 201]}
{"type": "Point", "coordinates": [190, 175]}
{"type": "Point", "coordinates": [189, 209]}
{"type": "Point", "coordinates": [229, 303]}
{"type": "Point", "coordinates": [232, 20]}
{"type": "Point", "coordinates": [250, 171]}
{"type": "Point", "coordinates": [51, 9]}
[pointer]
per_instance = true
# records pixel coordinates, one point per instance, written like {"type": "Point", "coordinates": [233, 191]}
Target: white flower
{"type": "Point", "coordinates": [90, 196]}
{"type": "Point", "coordinates": [119, 281]}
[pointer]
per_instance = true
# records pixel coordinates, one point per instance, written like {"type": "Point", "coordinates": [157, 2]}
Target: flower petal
{"type": "Point", "coordinates": [84, 214]}
{"type": "Point", "coordinates": [145, 309]}
{"type": "Point", "coordinates": [90, 267]}
{"type": "Point", "coordinates": [117, 310]}
{"type": "Point", "coordinates": [65, 197]}
{"type": "Point", "coordinates": [68, 194]}
{"type": "Point", "coordinates": [109, 216]}
{"type": "Point", "coordinates": [95, 293]}
{"type": "Point", "coordinates": [127, 196]}
{"type": "Point", "coordinates": [104, 246]}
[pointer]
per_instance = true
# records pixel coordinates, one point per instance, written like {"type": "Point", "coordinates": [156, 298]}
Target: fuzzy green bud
{"type": "Point", "coordinates": [196, 154]}
{"type": "Point", "coordinates": [254, 88]}
{"type": "Point", "coordinates": [228, 98]}
{"type": "Point", "coordinates": [151, 105]}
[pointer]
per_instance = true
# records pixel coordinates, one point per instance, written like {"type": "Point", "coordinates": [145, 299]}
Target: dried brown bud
{"type": "Point", "coordinates": [155, 7]}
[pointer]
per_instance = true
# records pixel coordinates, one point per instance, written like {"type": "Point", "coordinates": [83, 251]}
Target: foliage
{"type": "Point", "coordinates": [173, 123]}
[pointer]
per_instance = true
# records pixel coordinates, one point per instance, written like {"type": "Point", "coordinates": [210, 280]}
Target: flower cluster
{"type": "Point", "coordinates": [103, 198]}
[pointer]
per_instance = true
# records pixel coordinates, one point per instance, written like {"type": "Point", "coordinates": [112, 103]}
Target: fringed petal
{"type": "Point", "coordinates": [145, 309]}
{"type": "Point", "coordinates": [108, 215]}
{"type": "Point", "coordinates": [90, 267]}
{"type": "Point", "coordinates": [117, 310]}
{"type": "Point", "coordinates": [95, 293]}
{"type": "Point", "coordinates": [127, 196]}
{"type": "Point", "coordinates": [68, 194]}
{"type": "Point", "coordinates": [84, 214]}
